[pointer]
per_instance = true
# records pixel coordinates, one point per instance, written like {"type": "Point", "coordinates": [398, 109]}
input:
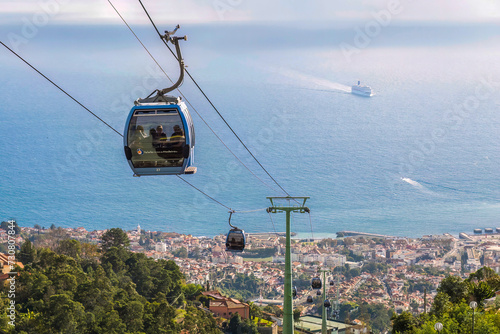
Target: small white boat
{"type": "Point", "coordinates": [362, 90]}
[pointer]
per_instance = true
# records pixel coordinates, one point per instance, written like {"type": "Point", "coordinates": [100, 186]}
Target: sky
{"type": "Point", "coordinates": [205, 11]}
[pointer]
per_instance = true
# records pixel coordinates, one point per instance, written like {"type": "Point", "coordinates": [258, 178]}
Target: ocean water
{"type": "Point", "coordinates": [420, 157]}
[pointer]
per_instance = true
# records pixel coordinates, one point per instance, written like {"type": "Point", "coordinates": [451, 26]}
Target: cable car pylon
{"type": "Point", "coordinates": [288, 327]}
{"type": "Point", "coordinates": [323, 312]}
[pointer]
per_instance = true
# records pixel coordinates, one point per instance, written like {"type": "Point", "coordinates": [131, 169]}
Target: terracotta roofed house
{"type": "Point", "coordinates": [225, 307]}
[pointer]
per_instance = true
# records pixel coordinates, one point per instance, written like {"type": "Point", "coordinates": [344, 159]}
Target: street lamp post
{"type": "Point", "coordinates": [438, 326]}
{"type": "Point", "coordinates": [473, 306]}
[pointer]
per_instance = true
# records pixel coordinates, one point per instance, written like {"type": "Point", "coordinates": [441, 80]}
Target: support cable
{"type": "Point", "coordinates": [62, 90]}
{"type": "Point", "coordinates": [310, 223]}
{"type": "Point", "coordinates": [272, 222]}
{"type": "Point", "coordinates": [213, 199]}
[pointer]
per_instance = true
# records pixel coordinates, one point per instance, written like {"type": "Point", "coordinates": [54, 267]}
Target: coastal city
{"type": "Point", "coordinates": [399, 273]}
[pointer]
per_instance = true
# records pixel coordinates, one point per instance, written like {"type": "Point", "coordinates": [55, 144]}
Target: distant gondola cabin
{"type": "Point", "coordinates": [235, 240]}
{"type": "Point", "coordinates": [316, 283]}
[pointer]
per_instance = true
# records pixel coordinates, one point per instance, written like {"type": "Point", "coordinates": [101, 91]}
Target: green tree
{"type": "Point", "coordinates": [239, 326]}
{"type": "Point", "coordinates": [405, 323]}
{"type": "Point", "coordinates": [116, 292]}
{"type": "Point", "coordinates": [27, 253]}
{"type": "Point", "coordinates": [354, 272]}
{"type": "Point", "coordinates": [191, 291]}
{"type": "Point", "coordinates": [180, 253]}
{"type": "Point", "coordinates": [196, 321]}
{"type": "Point", "coordinates": [159, 317]}
{"type": "Point", "coordinates": [329, 242]}
{"type": "Point", "coordinates": [195, 253]}
{"type": "Point", "coordinates": [482, 274]}
{"type": "Point", "coordinates": [115, 237]}
{"type": "Point", "coordinates": [7, 227]}
{"type": "Point", "coordinates": [234, 323]}
{"type": "Point", "coordinates": [455, 288]}
{"type": "Point", "coordinates": [296, 314]}
{"type": "Point", "coordinates": [132, 314]}
{"type": "Point", "coordinates": [485, 274]}
{"type": "Point", "coordinates": [111, 322]}
{"type": "Point", "coordinates": [89, 251]}
{"type": "Point", "coordinates": [70, 247]}
{"type": "Point", "coordinates": [480, 291]}
{"type": "Point", "coordinates": [349, 241]}
{"type": "Point", "coordinates": [115, 258]}
{"type": "Point", "coordinates": [65, 315]}
{"type": "Point", "coordinates": [273, 309]}
{"type": "Point", "coordinates": [441, 304]}
{"type": "Point", "coordinates": [255, 311]}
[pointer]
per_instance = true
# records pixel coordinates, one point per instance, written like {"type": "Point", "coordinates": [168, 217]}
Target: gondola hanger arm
{"type": "Point", "coordinates": [168, 37]}
{"type": "Point", "coordinates": [230, 214]}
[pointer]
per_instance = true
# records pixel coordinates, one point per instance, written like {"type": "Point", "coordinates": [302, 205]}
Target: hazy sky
{"type": "Point", "coordinates": [202, 11]}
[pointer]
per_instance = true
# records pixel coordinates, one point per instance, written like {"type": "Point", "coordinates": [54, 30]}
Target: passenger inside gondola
{"type": "Point", "coordinates": [150, 145]}
{"type": "Point", "coordinates": [160, 137]}
{"type": "Point", "coordinates": [177, 138]}
{"type": "Point", "coordinates": [159, 132]}
{"type": "Point", "coordinates": [177, 131]}
{"type": "Point", "coordinates": [138, 137]}
{"type": "Point", "coordinates": [235, 241]}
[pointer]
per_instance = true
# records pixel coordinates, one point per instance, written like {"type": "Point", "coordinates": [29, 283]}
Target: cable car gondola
{"type": "Point", "coordinates": [235, 240]}
{"type": "Point", "coordinates": [331, 283]}
{"type": "Point", "coordinates": [316, 283]}
{"type": "Point", "coordinates": [327, 303]}
{"type": "Point", "coordinates": [318, 293]}
{"type": "Point", "coordinates": [159, 132]}
{"type": "Point", "coordinates": [294, 292]}
{"type": "Point", "coordinates": [309, 299]}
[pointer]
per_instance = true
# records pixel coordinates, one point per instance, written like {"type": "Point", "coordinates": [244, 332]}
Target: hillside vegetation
{"type": "Point", "coordinates": [79, 288]}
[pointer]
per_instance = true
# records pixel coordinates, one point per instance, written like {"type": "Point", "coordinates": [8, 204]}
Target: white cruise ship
{"type": "Point", "coordinates": [362, 90]}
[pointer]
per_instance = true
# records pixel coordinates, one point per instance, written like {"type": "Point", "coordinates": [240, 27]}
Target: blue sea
{"type": "Point", "coordinates": [421, 156]}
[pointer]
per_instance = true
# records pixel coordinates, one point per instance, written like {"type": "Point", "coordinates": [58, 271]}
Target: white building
{"type": "Point", "coordinates": [161, 247]}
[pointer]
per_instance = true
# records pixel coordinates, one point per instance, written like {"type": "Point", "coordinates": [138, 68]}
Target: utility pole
{"type": "Point", "coordinates": [288, 327]}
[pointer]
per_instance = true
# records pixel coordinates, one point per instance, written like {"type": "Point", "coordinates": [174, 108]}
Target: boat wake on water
{"type": "Point", "coordinates": [417, 185]}
{"type": "Point", "coordinates": [446, 191]}
{"type": "Point", "coordinates": [491, 196]}
{"type": "Point", "coordinates": [313, 82]}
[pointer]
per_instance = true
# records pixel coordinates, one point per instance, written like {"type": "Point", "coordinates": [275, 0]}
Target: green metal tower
{"type": "Point", "coordinates": [323, 313]}
{"type": "Point", "coordinates": [288, 327]}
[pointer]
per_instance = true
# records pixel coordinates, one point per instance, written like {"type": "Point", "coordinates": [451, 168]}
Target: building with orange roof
{"type": "Point", "coordinates": [225, 307]}
{"type": "Point", "coordinates": [4, 263]}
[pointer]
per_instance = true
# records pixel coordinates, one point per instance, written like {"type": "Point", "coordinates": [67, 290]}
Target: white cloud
{"type": "Point", "coordinates": [100, 11]}
{"type": "Point", "coordinates": [201, 11]}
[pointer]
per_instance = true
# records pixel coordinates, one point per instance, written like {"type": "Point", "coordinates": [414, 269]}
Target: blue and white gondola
{"type": "Point", "coordinates": [149, 148]}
